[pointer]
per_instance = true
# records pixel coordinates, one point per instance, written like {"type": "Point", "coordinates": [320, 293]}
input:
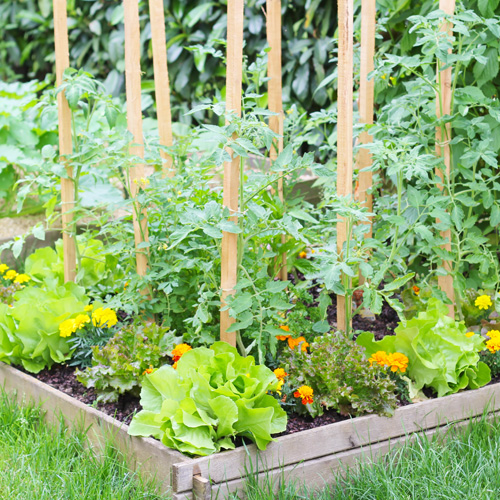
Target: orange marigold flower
{"type": "Point", "coordinates": [380, 357]}
{"type": "Point", "coordinates": [305, 393]}
{"type": "Point", "coordinates": [179, 350]}
{"type": "Point", "coordinates": [175, 365]}
{"type": "Point", "coordinates": [293, 343]}
{"type": "Point", "coordinates": [302, 255]}
{"type": "Point", "coordinates": [283, 337]}
{"type": "Point", "coordinates": [416, 289]}
{"type": "Point", "coordinates": [398, 361]}
{"type": "Point", "coordinates": [493, 345]}
{"type": "Point", "coordinates": [285, 327]}
{"type": "Point", "coordinates": [148, 370]}
{"type": "Point", "coordinates": [280, 373]}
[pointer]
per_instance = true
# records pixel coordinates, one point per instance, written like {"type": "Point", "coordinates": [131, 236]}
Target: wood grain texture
{"type": "Point", "coordinates": [366, 97]}
{"type": "Point", "coordinates": [443, 138]}
{"type": "Point", "coordinates": [202, 489]}
{"type": "Point", "coordinates": [339, 437]}
{"type": "Point", "coordinates": [65, 141]}
{"type": "Point", "coordinates": [275, 97]}
{"type": "Point", "coordinates": [229, 257]}
{"type": "Point", "coordinates": [162, 85]}
{"type": "Point", "coordinates": [344, 127]}
{"type": "Point", "coordinates": [134, 123]}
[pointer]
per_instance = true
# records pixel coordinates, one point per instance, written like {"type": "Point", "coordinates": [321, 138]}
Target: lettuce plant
{"type": "Point", "coordinates": [29, 331]}
{"type": "Point", "coordinates": [441, 355]}
{"type": "Point", "coordinates": [212, 396]}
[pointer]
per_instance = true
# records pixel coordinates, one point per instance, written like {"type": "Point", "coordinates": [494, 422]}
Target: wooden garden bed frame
{"type": "Point", "coordinates": [308, 456]}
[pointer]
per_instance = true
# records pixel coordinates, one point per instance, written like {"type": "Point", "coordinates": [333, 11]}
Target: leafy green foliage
{"type": "Point", "coordinates": [29, 331]}
{"type": "Point", "coordinates": [214, 395]}
{"type": "Point", "coordinates": [342, 378]}
{"type": "Point", "coordinates": [440, 355]}
{"type": "Point", "coordinates": [119, 366]}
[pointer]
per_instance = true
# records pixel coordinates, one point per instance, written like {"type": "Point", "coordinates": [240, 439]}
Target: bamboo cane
{"type": "Point", "coordinates": [229, 257]}
{"type": "Point", "coordinates": [65, 142]}
{"type": "Point", "coordinates": [162, 86]}
{"type": "Point", "coordinates": [344, 129]}
{"type": "Point", "coordinates": [443, 137]}
{"type": "Point", "coordinates": [134, 122]}
{"type": "Point", "coordinates": [275, 99]}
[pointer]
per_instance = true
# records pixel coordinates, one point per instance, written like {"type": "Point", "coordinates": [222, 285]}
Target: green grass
{"type": "Point", "coordinates": [42, 462]}
{"type": "Point", "coordinates": [461, 465]}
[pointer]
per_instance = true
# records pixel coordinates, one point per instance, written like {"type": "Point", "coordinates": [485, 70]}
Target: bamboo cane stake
{"type": "Point", "coordinates": [344, 128]}
{"type": "Point", "coordinates": [134, 122]}
{"type": "Point", "coordinates": [366, 96]}
{"type": "Point", "coordinates": [65, 142]}
{"type": "Point", "coordinates": [443, 107]}
{"type": "Point", "coordinates": [275, 99]}
{"type": "Point", "coordinates": [162, 86]}
{"type": "Point", "coordinates": [229, 262]}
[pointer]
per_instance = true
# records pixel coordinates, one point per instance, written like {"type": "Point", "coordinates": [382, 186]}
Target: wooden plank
{"type": "Point", "coordinates": [149, 455]}
{"type": "Point", "coordinates": [65, 141]}
{"type": "Point", "coordinates": [134, 123]}
{"type": "Point", "coordinates": [319, 472]}
{"type": "Point", "coordinates": [366, 96]}
{"type": "Point", "coordinates": [275, 97]}
{"type": "Point", "coordinates": [229, 257]}
{"type": "Point", "coordinates": [344, 129]}
{"type": "Point", "coordinates": [339, 437]}
{"type": "Point", "coordinates": [162, 85]}
{"type": "Point", "coordinates": [443, 137]}
{"type": "Point", "coordinates": [202, 489]}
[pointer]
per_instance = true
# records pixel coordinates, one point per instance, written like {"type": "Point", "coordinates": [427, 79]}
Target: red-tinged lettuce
{"type": "Point", "coordinates": [214, 395]}
{"type": "Point", "coordinates": [441, 355]}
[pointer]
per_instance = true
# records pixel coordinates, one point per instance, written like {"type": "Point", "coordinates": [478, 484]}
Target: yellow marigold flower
{"type": "Point", "coordinates": [380, 357]}
{"type": "Point", "coordinates": [493, 345]}
{"type": "Point", "coordinates": [305, 393]}
{"type": "Point", "coordinates": [22, 278]}
{"type": "Point", "coordinates": [10, 275]}
{"type": "Point", "coordinates": [80, 321]}
{"type": "Point", "coordinates": [469, 334]}
{"type": "Point", "coordinates": [66, 328]}
{"type": "Point", "coordinates": [493, 334]}
{"type": "Point", "coordinates": [483, 302]}
{"type": "Point", "coordinates": [281, 383]}
{"type": "Point", "coordinates": [293, 343]}
{"type": "Point", "coordinates": [302, 255]}
{"type": "Point", "coordinates": [3, 268]}
{"type": "Point", "coordinates": [398, 361]}
{"type": "Point", "coordinates": [104, 318]}
{"type": "Point", "coordinates": [179, 350]}
{"type": "Point", "coordinates": [416, 289]}
{"type": "Point", "coordinates": [280, 373]}
{"type": "Point", "coordinates": [88, 308]}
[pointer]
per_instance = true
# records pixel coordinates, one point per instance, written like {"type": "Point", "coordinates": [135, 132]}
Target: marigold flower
{"type": "Point", "coordinates": [104, 318]}
{"type": "Point", "coordinates": [483, 302]}
{"type": "Point", "coordinates": [280, 373]}
{"type": "Point", "coordinates": [285, 327]}
{"type": "Point", "coordinates": [22, 278]}
{"type": "Point", "coordinates": [493, 345]}
{"type": "Point", "coordinates": [10, 275]}
{"type": "Point", "coordinates": [416, 289]}
{"type": "Point", "coordinates": [398, 361]}
{"type": "Point", "coordinates": [302, 255]}
{"type": "Point", "coordinates": [283, 337]}
{"type": "Point", "coordinates": [175, 365]}
{"type": "Point", "coordinates": [148, 370]}
{"type": "Point", "coordinates": [80, 321]}
{"type": "Point", "coordinates": [178, 351]}
{"type": "Point", "coordinates": [305, 393]}
{"type": "Point", "coordinates": [88, 308]}
{"type": "Point", "coordinates": [293, 343]}
{"type": "Point", "coordinates": [66, 328]}
{"type": "Point", "coordinates": [469, 334]}
{"type": "Point", "coordinates": [281, 383]}
{"type": "Point", "coordinates": [3, 268]}
{"type": "Point", "coordinates": [493, 334]}
{"type": "Point", "coordinates": [380, 357]}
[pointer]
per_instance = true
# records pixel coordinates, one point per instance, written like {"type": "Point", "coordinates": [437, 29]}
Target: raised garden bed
{"type": "Point", "coordinates": [309, 455]}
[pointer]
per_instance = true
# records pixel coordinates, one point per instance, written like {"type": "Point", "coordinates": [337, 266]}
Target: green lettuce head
{"type": "Point", "coordinates": [441, 355]}
{"type": "Point", "coordinates": [212, 396]}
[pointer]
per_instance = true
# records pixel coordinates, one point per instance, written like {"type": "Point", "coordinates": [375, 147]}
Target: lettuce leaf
{"type": "Point", "coordinates": [212, 396]}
